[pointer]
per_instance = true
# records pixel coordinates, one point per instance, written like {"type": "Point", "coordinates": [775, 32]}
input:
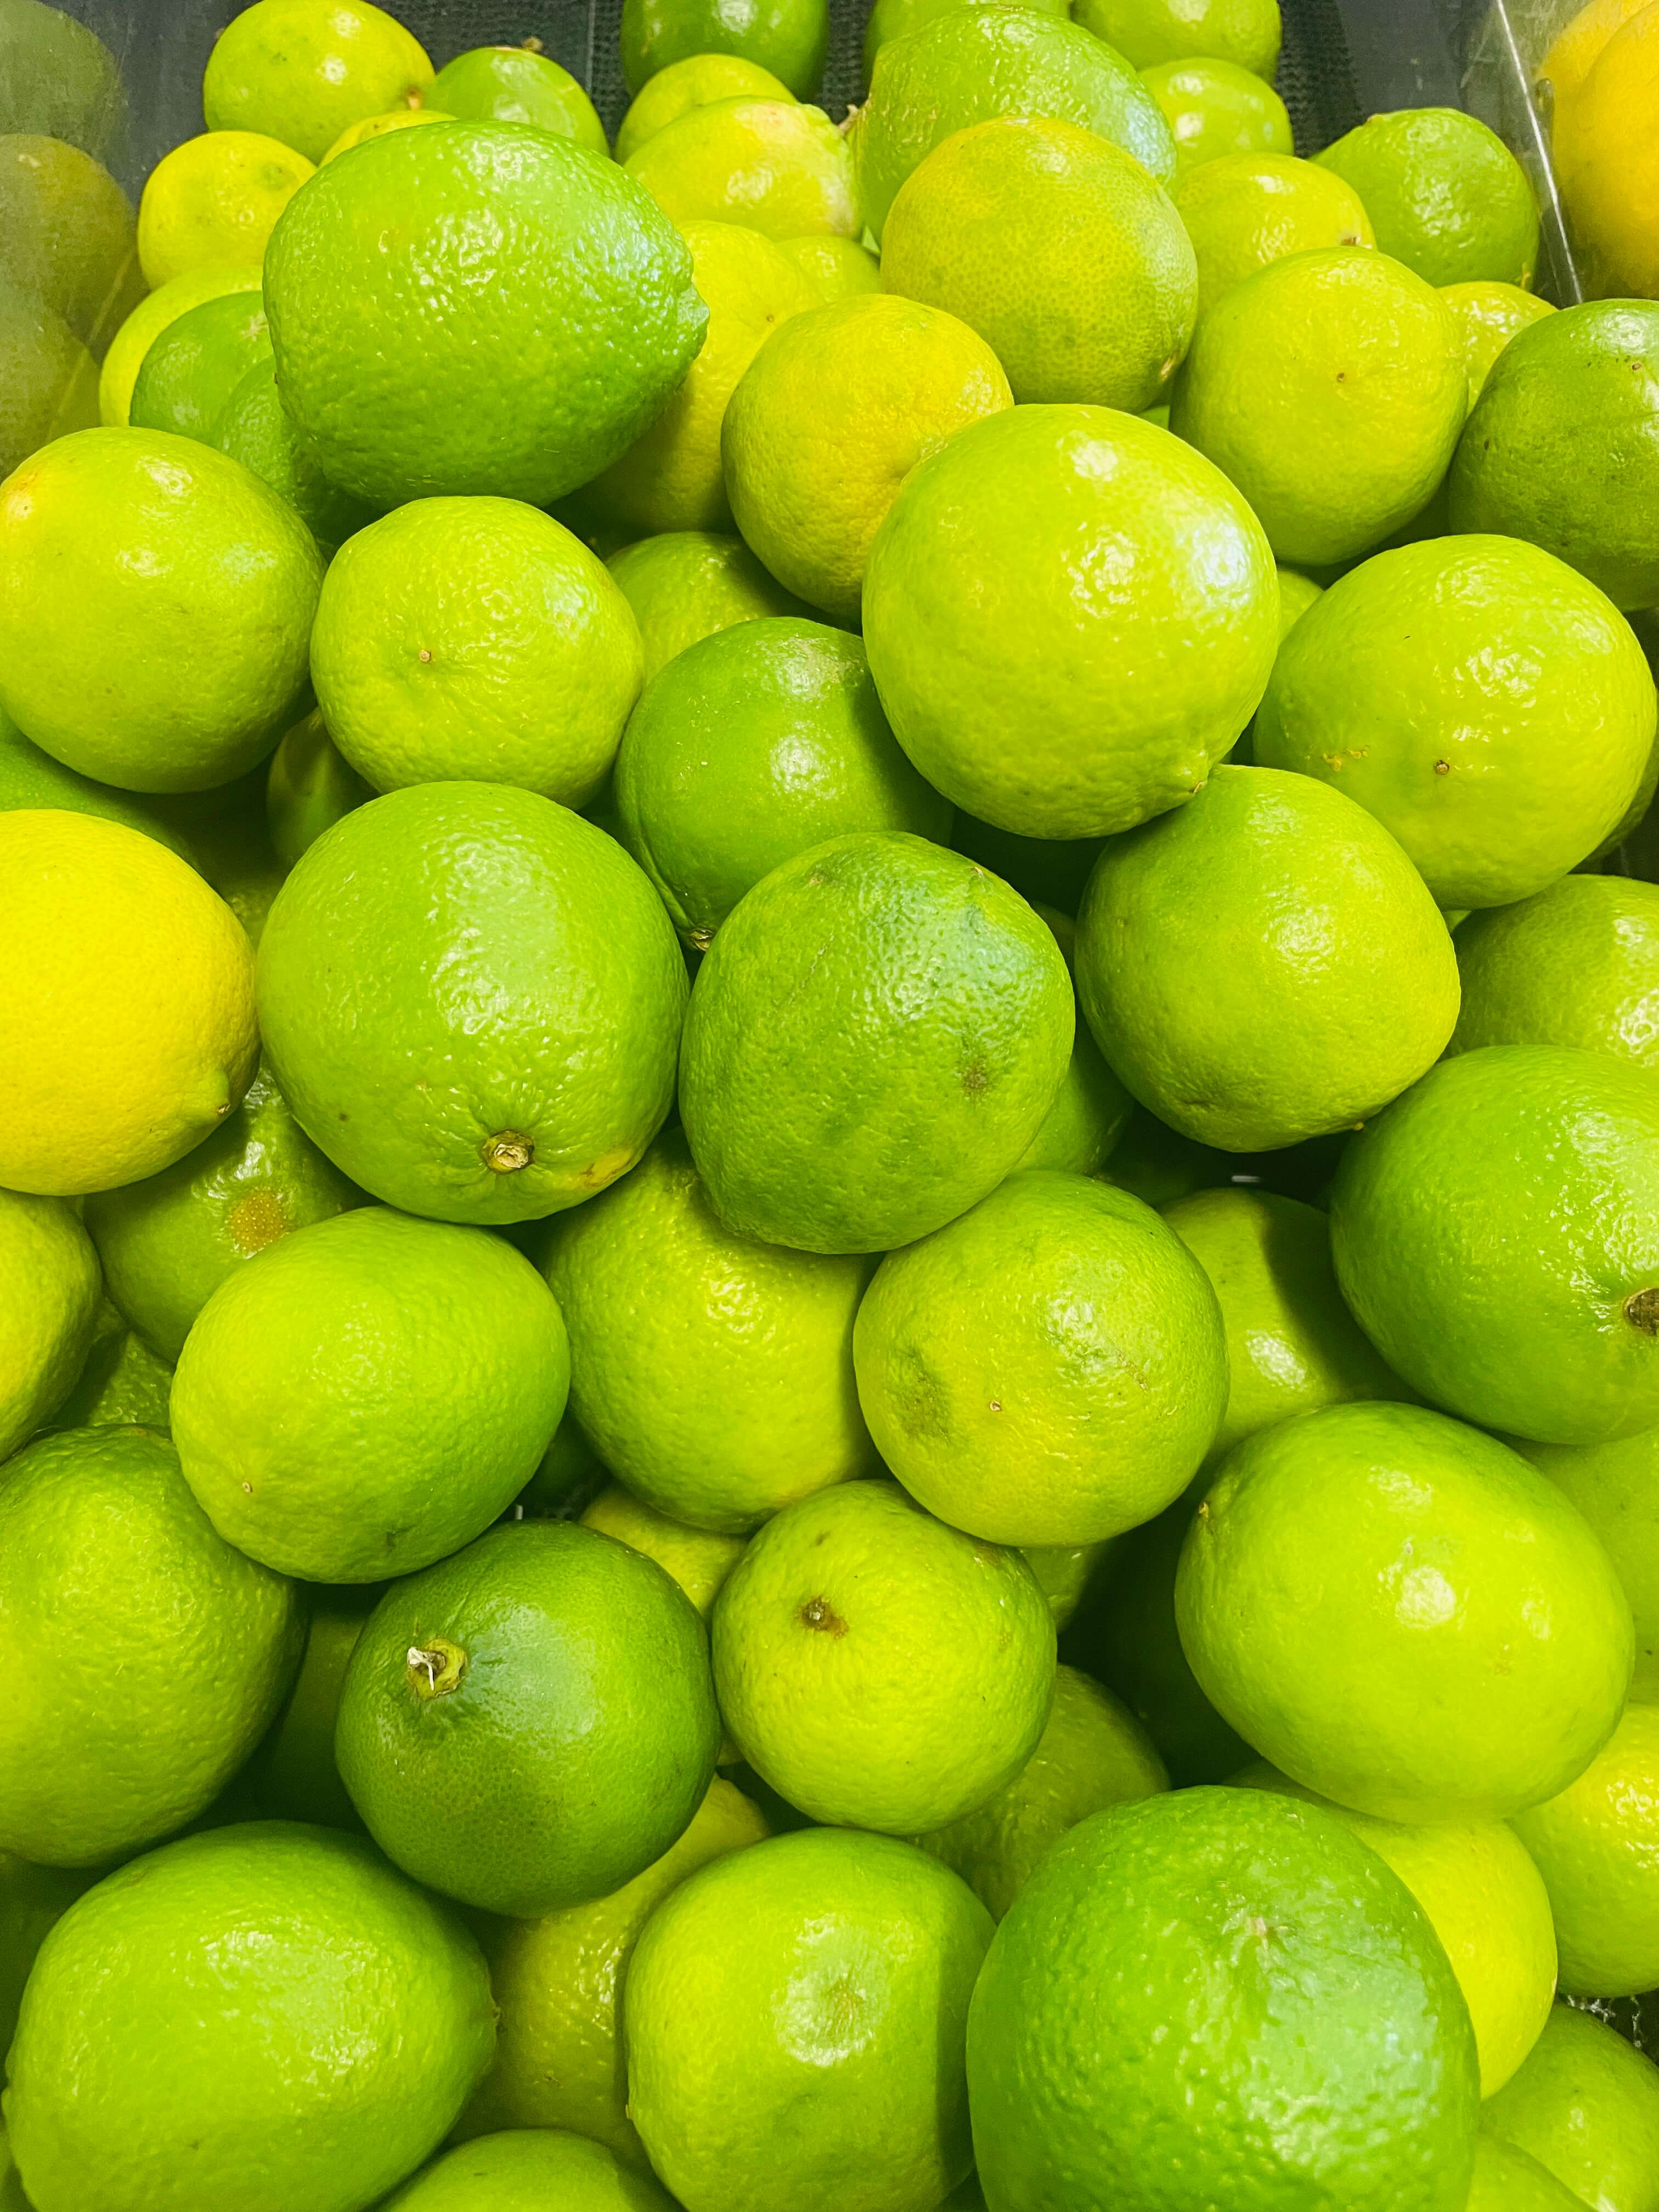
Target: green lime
{"type": "Point", "coordinates": [185, 380]}
{"type": "Point", "coordinates": [1401, 1614]}
{"type": "Point", "coordinates": [33, 1898]}
{"type": "Point", "coordinates": [836, 268]}
{"type": "Point", "coordinates": [1065, 1572]}
{"type": "Point", "coordinates": [1297, 594]}
{"type": "Point", "coordinates": [1059, 249]}
{"type": "Point", "coordinates": [122, 1380]}
{"type": "Point", "coordinates": [1243, 211]}
{"type": "Point", "coordinates": [231, 841]}
{"type": "Point", "coordinates": [325, 2023]}
{"type": "Point", "coordinates": [559, 935]}
{"type": "Point", "coordinates": [67, 236]}
{"type": "Point", "coordinates": [693, 83]}
{"type": "Point", "coordinates": [1331, 389]}
{"type": "Point", "coordinates": [1249, 1037]}
{"type": "Point", "coordinates": [254, 428]}
{"type": "Point", "coordinates": [1507, 2180]}
{"type": "Point", "coordinates": [1030, 600]}
{"type": "Point", "coordinates": [436, 332]}
{"type": "Point", "coordinates": [970, 64]}
{"type": "Point", "coordinates": [795, 2022]}
{"type": "Point", "coordinates": [1444, 194]}
{"type": "Point", "coordinates": [303, 71]}
{"type": "Point", "coordinates": [1091, 1109]}
{"type": "Point", "coordinates": [49, 1289]}
{"type": "Point", "coordinates": [776, 167]}
{"type": "Point", "coordinates": [515, 2172]}
{"type": "Point", "coordinates": [1244, 31]}
{"type": "Point", "coordinates": [530, 1724]}
{"type": "Point", "coordinates": [1487, 315]}
{"type": "Point", "coordinates": [1049, 871]}
{"type": "Point", "coordinates": [568, 1476]}
{"type": "Point", "coordinates": [129, 555]}
{"type": "Point", "coordinates": [1220, 1996]}
{"type": "Point", "coordinates": [953, 1077]}
{"type": "Point", "coordinates": [168, 1242]}
{"type": "Point", "coordinates": [48, 381]}
{"type": "Point", "coordinates": [1497, 1235]}
{"type": "Point", "coordinates": [1597, 1847]}
{"type": "Point", "coordinates": [1153, 1162]}
{"type": "Point", "coordinates": [1092, 1753]}
{"type": "Point", "coordinates": [1485, 1901]}
{"type": "Point", "coordinates": [558, 1985]}
{"type": "Point", "coordinates": [293, 1774]}
{"type": "Point", "coordinates": [788, 37]}
{"type": "Point", "coordinates": [56, 75]}
{"type": "Point", "coordinates": [687, 584]}
{"type": "Point", "coordinates": [1592, 497]}
{"type": "Point", "coordinates": [890, 19]}
{"type": "Point", "coordinates": [112, 1574]}
{"type": "Point", "coordinates": [758, 743]}
{"type": "Point", "coordinates": [309, 789]}
{"type": "Point", "coordinates": [1576, 965]}
{"type": "Point", "coordinates": [1214, 109]}
{"type": "Point", "coordinates": [880, 1669]}
{"type": "Point", "coordinates": [699, 1560]}
{"type": "Point", "coordinates": [711, 1372]}
{"type": "Point", "coordinates": [1495, 789]}
{"type": "Point", "coordinates": [515, 84]}
{"type": "Point", "coordinates": [1291, 1344]}
{"type": "Point", "coordinates": [367, 1393]}
{"type": "Point", "coordinates": [1613, 1485]}
{"type": "Point", "coordinates": [1586, 2106]}
{"type": "Point", "coordinates": [146, 321]}
{"type": "Point", "coordinates": [1047, 1369]}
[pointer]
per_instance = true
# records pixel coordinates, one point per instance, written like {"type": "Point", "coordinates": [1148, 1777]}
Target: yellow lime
{"type": "Point", "coordinates": [303, 71]}
{"type": "Point", "coordinates": [772, 165]}
{"type": "Point", "coordinates": [1244, 31]}
{"type": "Point", "coordinates": [693, 83]}
{"type": "Point", "coordinates": [216, 200]}
{"type": "Point", "coordinates": [1487, 315]}
{"type": "Point", "coordinates": [1597, 1847]}
{"type": "Point", "coordinates": [49, 1288]}
{"type": "Point", "coordinates": [376, 127]}
{"type": "Point", "coordinates": [1606, 156]}
{"type": "Point", "coordinates": [699, 1560]}
{"type": "Point", "coordinates": [1573, 53]}
{"type": "Point", "coordinates": [1586, 2106]}
{"type": "Point", "coordinates": [1243, 211]}
{"type": "Point", "coordinates": [836, 268]}
{"type": "Point", "coordinates": [687, 584]}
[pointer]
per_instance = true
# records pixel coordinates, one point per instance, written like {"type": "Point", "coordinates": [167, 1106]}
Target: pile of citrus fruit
{"type": "Point", "coordinates": [828, 1130]}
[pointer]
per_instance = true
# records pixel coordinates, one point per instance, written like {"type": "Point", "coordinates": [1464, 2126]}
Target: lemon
{"type": "Point", "coordinates": [836, 268]}
{"type": "Point", "coordinates": [1577, 964]}
{"type": "Point", "coordinates": [1214, 108]}
{"type": "Point", "coordinates": [830, 417]}
{"type": "Point", "coordinates": [518, 84]}
{"type": "Point", "coordinates": [672, 477]}
{"type": "Point", "coordinates": [772, 165]}
{"type": "Point", "coordinates": [1244, 31]}
{"type": "Point", "coordinates": [152, 315]}
{"type": "Point", "coordinates": [786, 36]}
{"type": "Point", "coordinates": [1610, 1485]}
{"type": "Point", "coordinates": [1574, 51]}
{"type": "Point", "coordinates": [1056, 247]}
{"type": "Point", "coordinates": [376, 127]}
{"type": "Point", "coordinates": [1586, 2106]}
{"type": "Point", "coordinates": [1487, 315]}
{"type": "Point", "coordinates": [48, 1308]}
{"type": "Point", "coordinates": [699, 1560]}
{"type": "Point", "coordinates": [693, 83]}
{"type": "Point", "coordinates": [128, 996]}
{"type": "Point", "coordinates": [216, 200]}
{"type": "Point", "coordinates": [1444, 194]}
{"type": "Point", "coordinates": [66, 235]}
{"type": "Point", "coordinates": [513, 2172]}
{"type": "Point", "coordinates": [303, 71]}
{"type": "Point", "coordinates": [1604, 156]}
{"type": "Point", "coordinates": [1242, 211]}
{"type": "Point", "coordinates": [1487, 1904]}
{"type": "Point", "coordinates": [1597, 1847]}
{"type": "Point", "coordinates": [686, 584]}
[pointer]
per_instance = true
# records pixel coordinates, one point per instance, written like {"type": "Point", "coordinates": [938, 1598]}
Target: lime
{"type": "Point", "coordinates": [1029, 599]}
{"type": "Point", "coordinates": [1597, 1847]}
{"type": "Point", "coordinates": [568, 1476]}
{"type": "Point", "coordinates": [113, 1573]}
{"type": "Point", "coordinates": [788, 37]}
{"type": "Point", "coordinates": [1220, 1996]}
{"type": "Point", "coordinates": [67, 236]}
{"type": "Point", "coordinates": [1242, 211]}
{"type": "Point", "coordinates": [1485, 1901]}
{"type": "Point", "coordinates": [151, 317]}
{"type": "Point", "coordinates": [1330, 388]}
{"type": "Point", "coordinates": [1215, 109]}
{"type": "Point", "coordinates": [1604, 156]}
{"type": "Point", "coordinates": [309, 789]}
{"type": "Point", "coordinates": [1576, 965]}
{"type": "Point", "coordinates": [1592, 499]}
{"type": "Point", "coordinates": [879, 1669]}
{"type": "Point", "coordinates": [1497, 1235]}
{"type": "Point", "coordinates": [829, 420]}
{"type": "Point", "coordinates": [56, 76]}
{"type": "Point", "coordinates": [1495, 789]}
{"type": "Point", "coordinates": [699, 1560]}
{"type": "Point", "coordinates": [711, 1372]}
{"type": "Point", "coordinates": [1248, 1036]}
{"type": "Point", "coordinates": [836, 268]}
{"type": "Point", "coordinates": [515, 2171]}
{"type": "Point", "coordinates": [121, 1381]}
{"type": "Point", "coordinates": [186, 378]}
{"type": "Point", "coordinates": [367, 1392]}
{"type": "Point", "coordinates": [952, 1077]}
{"type": "Point", "coordinates": [1507, 2180]}
{"type": "Point", "coordinates": [1487, 315]}
{"type": "Point", "coordinates": [1049, 871]}
{"type": "Point", "coordinates": [1081, 1129]}
{"type": "Point", "coordinates": [1444, 194]}
{"type": "Point", "coordinates": [558, 1985]}
{"type": "Point", "coordinates": [1401, 1613]}
{"type": "Point", "coordinates": [155, 605]}
{"type": "Point", "coordinates": [260, 1947]}
{"type": "Point", "coordinates": [1065, 1573]}
{"type": "Point", "coordinates": [49, 1292]}
{"type": "Point", "coordinates": [531, 1723]}
{"type": "Point", "coordinates": [439, 329]}
{"type": "Point", "coordinates": [483, 923]}
{"type": "Point", "coordinates": [890, 19]}
{"type": "Point", "coordinates": [970, 65]}
{"type": "Point", "coordinates": [302, 70]}
{"type": "Point", "coordinates": [232, 845]}
{"type": "Point", "coordinates": [1244, 31]}
{"type": "Point", "coordinates": [255, 429]}
{"type": "Point", "coordinates": [687, 584]}
{"type": "Point", "coordinates": [293, 1774]}
{"type": "Point", "coordinates": [776, 167]}
{"type": "Point", "coordinates": [517, 84]}
{"type": "Point", "coordinates": [475, 639]}
{"type": "Point", "coordinates": [48, 381]}
{"type": "Point", "coordinates": [1059, 249]}
{"type": "Point", "coordinates": [693, 83]}
{"type": "Point", "coordinates": [1586, 2106]}
{"type": "Point", "coordinates": [32, 1900]}
{"type": "Point", "coordinates": [128, 997]}
{"type": "Point", "coordinates": [755, 744]}
{"type": "Point", "coordinates": [1092, 1753]}
{"type": "Point", "coordinates": [169, 1241]}
{"type": "Point", "coordinates": [795, 2022]}
{"type": "Point", "coordinates": [1292, 1345]}
{"type": "Point", "coordinates": [1153, 1163]}
{"type": "Point", "coordinates": [214, 199]}
{"type": "Point", "coordinates": [1048, 1369]}
{"type": "Point", "coordinates": [672, 478]}
{"type": "Point", "coordinates": [376, 127]}
{"type": "Point", "coordinates": [1612, 1486]}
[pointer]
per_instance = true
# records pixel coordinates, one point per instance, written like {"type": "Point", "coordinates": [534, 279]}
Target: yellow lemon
{"type": "Point", "coordinates": [215, 198]}
{"type": "Point", "coordinates": [1607, 156]}
{"type": "Point", "coordinates": [1578, 45]}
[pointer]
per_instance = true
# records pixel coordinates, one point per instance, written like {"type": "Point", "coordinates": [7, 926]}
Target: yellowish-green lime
{"type": "Point", "coordinates": [1576, 965]}
{"type": "Point", "coordinates": [693, 83]}
{"type": "Point", "coordinates": [1242, 211]}
{"type": "Point", "coordinates": [309, 788]}
{"type": "Point", "coordinates": [513, 84]}
{"type": "Point", "coordinates": [215, 199]}
{"type": "Point", "coordinates": [151, 317]}
{"type": "Point", "coordinates": [515, 2171]}
{"type": "Point", "coordinates": [687, 584]}
{"type": "Point", "coordinates": [49, 1291]}
{"type": "Point", "coordinates": [788, 37]}
{"type": "Point", "coordinates": [303, 71]}
{"type": "Point", "coordinates": [1611, 1486]}
{"type": "Point", "coordinates": [376, 127]}
{"type": "Point", "coordinates": [66, 235]}
{"type": "Point", "coordinates": [1444, 193]}
{"type": "Point", "coordinates": [1214, 109]}
{"type": "Point", "coordinates": [836, 268]}
{"type": "Point", "coordinates": [699, 1560]}
{"type": "Point", "coordinates": [1244, 31]}
{"type": "Point", "coordinates": [775, 165]}
{"type": "Point", "coordinates": [1597, 1847]}
{"type": "Point", "coordinates": [1487, 315]}
{"type": "Point", "coordinates": [1586, 2106]}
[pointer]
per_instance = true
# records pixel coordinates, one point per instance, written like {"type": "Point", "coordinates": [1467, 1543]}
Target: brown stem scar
{"type": "Point", "coordinates": [818, 1612]}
